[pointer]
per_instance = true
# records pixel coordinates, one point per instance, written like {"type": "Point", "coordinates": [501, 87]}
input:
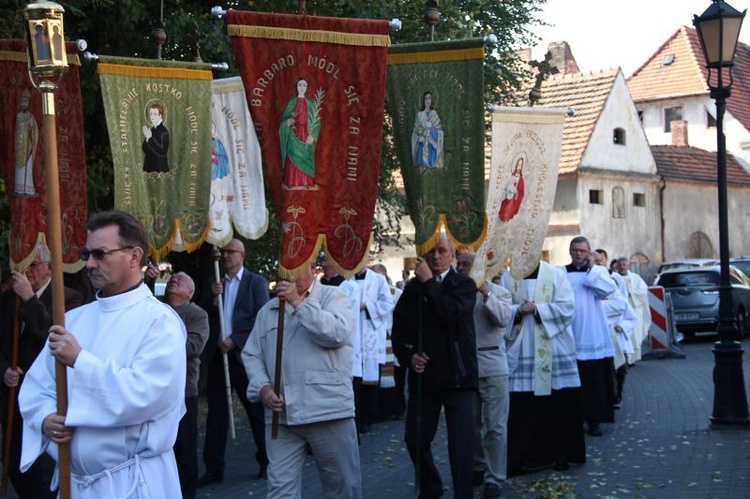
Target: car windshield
{"type": "Point", "coordinates": [692, 279]}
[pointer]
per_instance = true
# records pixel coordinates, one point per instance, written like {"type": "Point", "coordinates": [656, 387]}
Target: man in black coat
{"type": "Point", "coordinates": [243, 295]}
{"type": "Point", "coordinates": [34, 292]}
{"type": "Point", "coordinates": [433, 334]}
{"type": "Point", "coordinates": [155, 142]}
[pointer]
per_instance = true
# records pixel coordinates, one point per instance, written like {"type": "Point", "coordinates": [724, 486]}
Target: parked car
{"type": "Point", "coordinates": [742, 263]}
{"type": "Point", "coordinates": [695, 298]}
{"type": "Point", "coordinates": [688, 263]}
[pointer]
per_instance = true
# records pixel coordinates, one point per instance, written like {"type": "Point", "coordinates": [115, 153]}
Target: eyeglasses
{"type": "Point", "coordinates": [34, 265]}
{"type": "Point", "coordinates": [99, 254]}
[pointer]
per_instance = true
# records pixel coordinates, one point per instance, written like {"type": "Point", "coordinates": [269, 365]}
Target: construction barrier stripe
{"type": "Point", "coordinates": [658, 330]}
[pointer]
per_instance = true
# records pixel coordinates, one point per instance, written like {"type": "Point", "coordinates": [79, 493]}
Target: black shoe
{"type": "Point", "coordinates": [262, 472]}
{"type": "Point", "coordinates": [561, 466]}
{"type": "Point", "coordinates": [492, 490]}
{"type": "Point", "coordinates": [595, 430]}
{"type": "Point", "coordinates": [208, 479]}
{"type": "Point", "coordinates": [534, 467]}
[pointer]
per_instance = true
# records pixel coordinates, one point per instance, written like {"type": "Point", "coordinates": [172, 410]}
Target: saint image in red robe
{"type": "Point", "coordinates": [512, 193]}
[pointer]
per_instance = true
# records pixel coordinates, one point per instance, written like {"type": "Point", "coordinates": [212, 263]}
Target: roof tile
{"type": "Point", "coordinates": [586, 93]}
{"type": "Point", "coordinates": [695, 165]}
{"type": "Point", "coordinates": [687, 74]}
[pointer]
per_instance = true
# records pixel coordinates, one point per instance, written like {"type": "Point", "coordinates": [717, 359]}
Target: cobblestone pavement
{"type": "Point", "coordinates": [662, 445]}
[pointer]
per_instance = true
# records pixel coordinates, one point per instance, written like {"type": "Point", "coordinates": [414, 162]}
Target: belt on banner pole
{"type": "Point", "coordinates": [663, 329]}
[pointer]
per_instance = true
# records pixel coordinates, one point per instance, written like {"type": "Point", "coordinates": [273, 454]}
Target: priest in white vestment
{"type": "Point", "coordinates": [125, 358]}
{"type": "Point", "coordinates": [372, 306]}
{"type": "Point", "coordinates": [594, 346]}
{"type": "Point", "coordinates": [638, 297]}
{"type": "Point", "coordinates": [544, 426]}
{"type": "Point", "coordinates": [622, 323]}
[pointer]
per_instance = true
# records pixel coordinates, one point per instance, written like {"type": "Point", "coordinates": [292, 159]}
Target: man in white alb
{"type": "Point", "coordinates": [638, 298]}
{"type": "Point", "coordinates": [594, 347]}
{"type": "Point", "coordinates": [125, 354]}
{"type": "Point", "coordinates": [372, 306]}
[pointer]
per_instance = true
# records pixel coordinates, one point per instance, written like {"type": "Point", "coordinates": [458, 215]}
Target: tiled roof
{"type": "Point", "coordinates": [695, 165]}
{"type": "Point", "coordinates": [586, 93]}
{"type": "Point", "coordinates": [686, 74]}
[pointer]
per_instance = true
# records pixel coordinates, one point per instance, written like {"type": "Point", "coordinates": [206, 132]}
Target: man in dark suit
{"type": "Point", "coordinates": [433, 334]}
{"type": "Point", "coordinates": [32, 287]}
{"type": "Point", "coordinates": [243, 294]}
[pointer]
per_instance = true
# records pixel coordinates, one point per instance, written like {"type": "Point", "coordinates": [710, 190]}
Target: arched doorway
{"type": "Point", "coordinates": [699, 246]}
{"type": "Point", "coordinates": [639, 264]}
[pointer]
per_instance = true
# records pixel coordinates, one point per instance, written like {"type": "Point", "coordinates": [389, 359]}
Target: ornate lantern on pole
{"type": "Point", "coordinates": [431, 16]}
{"type": "Point", "coordinates": [718, 30]}
{"type": "Point", "coordinates": [47, 60]}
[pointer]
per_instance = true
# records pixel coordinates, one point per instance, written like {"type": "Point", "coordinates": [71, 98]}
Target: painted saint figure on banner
{"type": "Point", "coordinates": [155, 141]}
{"type": "Point", "coordinates": [219, 157]}
{"type": "Point", "coordinates": [512, 193]}
{"type": "Point", "coordinates": [427, 137]}
{"type": "Point", "coordinates": [27, 139]}
{"type": "Point", "coordinates": [298, 134]}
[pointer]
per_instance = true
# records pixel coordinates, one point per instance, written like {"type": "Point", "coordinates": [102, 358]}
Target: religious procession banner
{"type": "Point", "coordinates": [23, 158]}
{"type": "Point", "coordinates": [237, 191]}
{"type": "Point", "coordinates": [315, 87]}
{"type": "Point", "coordinates": [435, 97]}
{"type": "Point", "coordinates": [159, 122]}
{"type": "Point", "coordinates": [526, 147]}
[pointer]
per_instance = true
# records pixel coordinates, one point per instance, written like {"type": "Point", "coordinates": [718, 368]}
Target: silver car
{"type": "Point", "coordinates": [687, 263]}
{"type": "Point", "coordinates": [695, 298]}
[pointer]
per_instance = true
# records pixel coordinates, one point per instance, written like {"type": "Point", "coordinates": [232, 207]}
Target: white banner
{"type": "Point", "coordinates": [237, 194]}
{"type": "Point", "coordinates": [526, 146]}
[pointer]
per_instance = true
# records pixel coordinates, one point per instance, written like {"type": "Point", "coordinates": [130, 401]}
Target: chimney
{"type": "Point", "coordinates": [679, 133]}
{"type": "Point", "coordinates": [524, 54]}
{"type": "Point", "coordinates": [562, 58]}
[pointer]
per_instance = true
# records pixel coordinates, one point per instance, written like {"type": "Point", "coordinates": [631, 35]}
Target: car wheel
{"type": "Point", "coordinates": [742, 323]}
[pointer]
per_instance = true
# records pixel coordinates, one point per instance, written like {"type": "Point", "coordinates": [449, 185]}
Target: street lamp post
{"type": "Point", "coordinates": [48, 61]}
{"type": "Point", "coordinates": [718, 30]}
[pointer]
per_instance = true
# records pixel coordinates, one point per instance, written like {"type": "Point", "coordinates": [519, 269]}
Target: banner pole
{"type": "Point", "coordinates": [277, 370]}
{"type": "Point", "coordinates": [11, 400]}
{"type": "Point", "coordinates": [222, 336]}
{"type": "Point", "coordinates": [49, 132]}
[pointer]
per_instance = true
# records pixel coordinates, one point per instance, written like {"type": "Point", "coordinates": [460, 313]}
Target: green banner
{"type": "Point", "coordinates": [159, 122]}
{"type": "Point", "coordinates": [435, 96]}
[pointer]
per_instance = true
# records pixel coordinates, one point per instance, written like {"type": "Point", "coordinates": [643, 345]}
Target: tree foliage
{"type": "Point", "coordinates": [124, 28]}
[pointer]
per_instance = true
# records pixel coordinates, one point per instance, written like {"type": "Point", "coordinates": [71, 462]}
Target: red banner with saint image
{"type": "Point", "coordinates": [23, 159]}
{"type": "Point", "coordinates": [316, 90]}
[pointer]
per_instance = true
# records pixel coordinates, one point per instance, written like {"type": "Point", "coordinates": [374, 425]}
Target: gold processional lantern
{"type": "Point", "coordinates": [45, 44]}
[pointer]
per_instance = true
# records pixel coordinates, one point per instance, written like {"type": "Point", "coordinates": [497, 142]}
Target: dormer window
{"type": "Point", "coordinates": [667, 60]}
{"type": "Point", "coordinates": [618, 137]}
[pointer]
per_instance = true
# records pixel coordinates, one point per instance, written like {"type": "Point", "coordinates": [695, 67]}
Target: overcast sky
{"type": "Point", "coordinates": [605, 34]}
